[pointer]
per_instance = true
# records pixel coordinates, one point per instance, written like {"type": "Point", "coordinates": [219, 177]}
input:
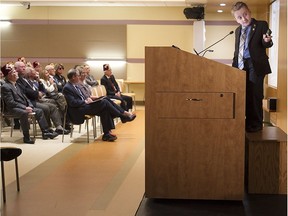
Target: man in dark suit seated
{"type": "Point", "coordinates": [18, 104]}
{"type": "Point", "coordinates": [79, 106]}
{"type": "Point", "coordinates": [35, 91]}
{"type": "Point", "coordinates": [112, 88]}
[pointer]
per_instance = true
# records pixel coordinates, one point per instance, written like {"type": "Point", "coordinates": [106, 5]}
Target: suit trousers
{"type": "Point", "coordinates": [107, 111]}
{"type": "Point", "coordinates": [254, 97]}
{"type": "Point", "coordinates": [50, 112]}
{"type": "Point", "coordinates": [24, 122]}
{"type": "Point", "coordinates": [126, 101]}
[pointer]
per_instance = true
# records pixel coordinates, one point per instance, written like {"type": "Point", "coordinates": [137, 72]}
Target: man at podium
{"type": "Point", "coordinates": [252, 38]}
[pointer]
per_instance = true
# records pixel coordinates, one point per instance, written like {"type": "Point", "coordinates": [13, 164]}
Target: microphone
{"type": "Point", "coordinates": [231, 32]}
{"type": "Point", "coordinates": [196, 52]}
{"type": "Point", "coordinates": [175, 47]}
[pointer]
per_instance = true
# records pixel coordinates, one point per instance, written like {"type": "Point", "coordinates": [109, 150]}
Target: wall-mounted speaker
{"type": "Point", "coordinates": [194, 13]}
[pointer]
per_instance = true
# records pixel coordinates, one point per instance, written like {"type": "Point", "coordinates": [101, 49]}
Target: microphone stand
{"type": "Point", "coordinates": [205, 50]}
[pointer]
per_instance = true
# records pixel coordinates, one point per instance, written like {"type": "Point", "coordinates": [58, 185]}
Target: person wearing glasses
{"type": "Point", "coordinates": [90, 80]}
{"type": "Point", "coordinates": [59, 79]}
{"type": "Point", "coordinates": [19, 105]}
{"type": "Point", "coordinates": [80, 105]}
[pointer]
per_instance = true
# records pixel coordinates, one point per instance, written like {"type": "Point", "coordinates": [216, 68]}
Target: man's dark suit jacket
{"type": "Point", "coordinates": [16, 103]}
{"type": "Point", "coordinates": [257, 47]}
{"type": "Point", "coordinates": [14, 98]}
{"type": "Point", "coordinates": [31, 94]}
{"type": "Point", "coordinates": [109, 88]}
{"type": "Point", "coordinates": [76, 106]}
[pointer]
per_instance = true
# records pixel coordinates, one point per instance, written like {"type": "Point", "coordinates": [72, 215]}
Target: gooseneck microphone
{"type": "Point", "coordinates": [176, 47]}
{"type": "Point", "coordinates": [205, 50]}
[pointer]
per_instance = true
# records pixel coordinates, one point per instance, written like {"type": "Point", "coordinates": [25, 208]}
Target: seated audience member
{"type": "Point", "coordinates": [2, 80]}
{"type": "Point", "coordinates": [18, 104]}
{"type": "Point", "coordinates": [6, 120]}
{"type": "Point", "coordinates": [22, 59]}
{"type": "Point", "coordinates": [79, 106]}
{"type": "Point", "coordinates": [85, 88]}
{"type": "Point", "coordinates": [52, 90]}
{"type": "Point", "coordinates": [113, 90]}
{"type": "Point", "coordinates": [59, 78]}
{"type": "Point", "coordinates": [90, 80]}
{"type": "Point", "coordinates": [35, 92]}
{"type": "Point", "coordinates": [37, 66]}
{"type": "Point", "coordinates": [51, 70]}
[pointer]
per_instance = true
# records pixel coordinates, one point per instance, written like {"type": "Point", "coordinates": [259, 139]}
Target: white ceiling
{"type": "Point", "coordinates": [99, 3]}
{"type": "Point", "coordinates": [210, 5]}
{"type": "Point", "coordinates": [126, 2]}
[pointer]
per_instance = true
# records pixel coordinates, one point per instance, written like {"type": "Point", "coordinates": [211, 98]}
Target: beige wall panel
{"type": "Point", "coordinates": [139, 36]}
{"type": "Point", "coordinates": [136, 71]}
{"type": "Point", "coordinates": [84, 41]}
{"type": "Point", "coordinates": [225, 48]}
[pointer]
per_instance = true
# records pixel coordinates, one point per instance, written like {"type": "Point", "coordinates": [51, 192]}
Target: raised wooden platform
{"type": "Point", "coordinates": [266, 158]}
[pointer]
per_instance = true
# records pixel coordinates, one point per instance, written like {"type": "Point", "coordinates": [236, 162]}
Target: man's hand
{"type": "Point", "coordinates": [267, 38]}
{"type": "Point", "coordinates": [88, 100]}
{"type": "Point", "coordinates": [29, 109]}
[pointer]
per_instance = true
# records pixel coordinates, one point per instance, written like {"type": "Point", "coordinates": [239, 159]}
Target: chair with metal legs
{"type": "Point", "coordinates": [87, 118]}
{"type": "Point", "coordinates": [7, 154]}
{"type": "Point", "coordinates": [4, 115]}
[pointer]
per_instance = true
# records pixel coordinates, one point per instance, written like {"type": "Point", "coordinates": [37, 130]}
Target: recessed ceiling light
{"type": "Point", "coordinates": [220, 11]}
{"type": "Point", "coordinates": [222, 4]}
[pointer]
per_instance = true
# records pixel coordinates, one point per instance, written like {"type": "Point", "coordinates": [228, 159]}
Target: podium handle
{"type": "Point", "coordinates": [193, 99]}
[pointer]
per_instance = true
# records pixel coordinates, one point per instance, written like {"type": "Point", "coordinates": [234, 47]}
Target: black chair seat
{"type": "Point", "coordinates": [10, 153]}
{"type": "Point", "coordinates": [7, 154]}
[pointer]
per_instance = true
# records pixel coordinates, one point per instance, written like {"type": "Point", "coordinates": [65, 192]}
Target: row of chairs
{"type": "Point", "coordinates": [10, 118]}
{"type": "Point", "coordinates": [121, 85]}
{"type": "Point", "coordinates": [97, 91]}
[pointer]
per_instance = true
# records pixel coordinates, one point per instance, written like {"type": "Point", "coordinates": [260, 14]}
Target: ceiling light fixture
{"type": "Point", "coordinates": [5, 23]}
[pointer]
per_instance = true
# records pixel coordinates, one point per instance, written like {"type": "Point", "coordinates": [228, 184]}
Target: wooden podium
{"type": "Point", "coordinates": [194, 126]}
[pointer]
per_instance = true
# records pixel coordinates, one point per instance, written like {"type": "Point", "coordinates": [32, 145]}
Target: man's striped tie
{"type": "Point", "coordinates": [241, 49]}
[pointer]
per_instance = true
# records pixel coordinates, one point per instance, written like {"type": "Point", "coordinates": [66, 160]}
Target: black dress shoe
{"type": "Point", "coordinates": [130, 118]}
{"type": "Point", "coordinates": [68, 127]}
{"type": "Point", "coordinates": [50, 130]}
{"type": "Point", "coordinates": [108, 137]}
{"type": "Point", "coordinates": [49, 135]}
{"type": "Point", "coordinates": [28, 140]}
{"type": "Point", "coordinates": [16, 127]}
{"type": "Point", "coordinates": [61, 131]}
{"type": "Point", "coordinates": [253, 129]}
